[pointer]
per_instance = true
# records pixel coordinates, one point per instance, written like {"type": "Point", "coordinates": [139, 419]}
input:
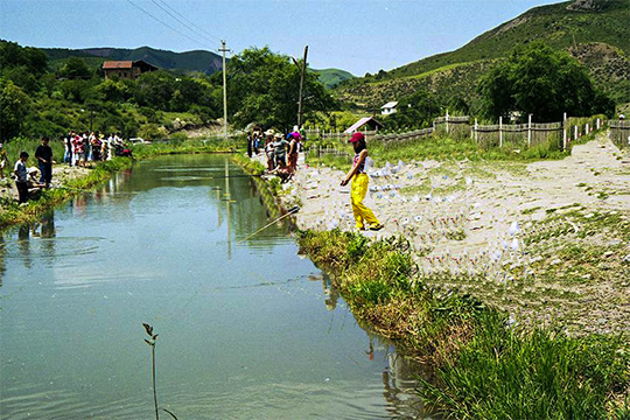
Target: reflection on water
{"type": "Point", "coordinates": [243, 332]}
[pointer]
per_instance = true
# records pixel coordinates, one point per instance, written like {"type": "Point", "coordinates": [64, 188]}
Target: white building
{"type": "Point", "coordinates": [389, 108]}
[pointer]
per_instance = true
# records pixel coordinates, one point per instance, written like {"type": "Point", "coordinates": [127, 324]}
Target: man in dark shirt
{"type": "Point", "coordinates": [44, 155]}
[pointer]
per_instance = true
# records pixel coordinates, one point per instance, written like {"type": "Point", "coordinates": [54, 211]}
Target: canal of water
{"type": "Point", "coordinates": [246, 329]}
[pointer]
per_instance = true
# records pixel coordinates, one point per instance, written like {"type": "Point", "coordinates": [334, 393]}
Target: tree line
{"type": "Point", "coordinates": [38, 97]}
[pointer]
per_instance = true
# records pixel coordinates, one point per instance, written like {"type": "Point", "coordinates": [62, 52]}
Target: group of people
{"type": "Point", "coordinates": [24, 176]}
{"type": "Point", "coordinates": [281, 150]}
{"type": "Point", "coordinates": [80, 148]}
{"type": "Point", "coordinates": [282, 153]}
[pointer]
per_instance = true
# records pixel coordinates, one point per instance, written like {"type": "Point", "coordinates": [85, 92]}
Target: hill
{"type": "Point", "coordinates": [198, 60]}
{"type": "Point", "coordinates": [596, 32]}
{"type": "Point", "coordinates": [332, 77]}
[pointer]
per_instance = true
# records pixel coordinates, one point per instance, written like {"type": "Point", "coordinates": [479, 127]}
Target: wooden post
{"type": "Point", "coordinates": [446, 119]}
{"type": "Point", "coordinates": [303, 71]}
{"type": "Point", "coordinates": [586, 131]}
{"type": "Point", "coordinates": [529, 130]}
{"type": "Point", "coordinates": [223, 50]}
{"type": "Point", "coordinates": [564, 131]}
{"type": "Point", "coordinates": [575, 132]}
{"type": "Point", "coordinates": [597, 122]}
{"type": "Point", "coordinates": [476, 132]}
{"type": "Point", "coordinates": [501, 131]}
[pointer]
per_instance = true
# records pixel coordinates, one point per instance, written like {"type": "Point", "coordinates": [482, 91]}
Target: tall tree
{"type": "Point", "coordinates": [14, 105]}
{"type": "Point", "coordinates": [263, 87]}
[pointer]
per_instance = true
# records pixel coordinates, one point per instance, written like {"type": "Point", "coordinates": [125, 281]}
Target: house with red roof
{"type": "Point", "coordinates": [126, 69]}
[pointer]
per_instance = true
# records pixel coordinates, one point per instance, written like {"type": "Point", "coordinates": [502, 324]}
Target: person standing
{"type": "Point", "coordinates": [21, 180]}
{"type": "Point", "coordinates": [44, 156]}
{"type": "Point", "coordinates": [280, 151]}
{"type": "Point", "coordinates": [358, 190]}
{"type": "Point", "coordinates": [4, 159]}
{"type": "Point", "coordinates": [269, 149]}
{"type": "Point", "coordinates": [79, 150]}
{"type": "Point", "coordinates": [250, 141]}
{"type": "Point", "coordinates": [294, 149]}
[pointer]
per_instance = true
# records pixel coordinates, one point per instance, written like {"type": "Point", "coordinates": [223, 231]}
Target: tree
{"type": "Point", "coordinates": [75, 68]}
{"type": "Point", "coordinates": [535, 79]}
{"type": "Point", "coordinates": [263, 87]}
{"type": "Point", "coordinates": [155, 89]}
{"type": "Point", "coordinates": [14, 106]}
{"type": "Point", "coordinates": [415, 111]}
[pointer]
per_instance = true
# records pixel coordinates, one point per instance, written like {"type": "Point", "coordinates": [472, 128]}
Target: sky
{"type": "Point", "coordinates": [355, 35]}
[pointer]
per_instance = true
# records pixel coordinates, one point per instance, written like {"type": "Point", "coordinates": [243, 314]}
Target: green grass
{"type": "Point", "coordinates": [482, 367]}
{"type": "Point", "coordinates": [436, 148]}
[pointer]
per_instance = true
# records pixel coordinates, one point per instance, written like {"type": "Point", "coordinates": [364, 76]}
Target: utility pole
{"type": "Point", "coordinates": [223, 50]}
{"type": "Point", "coordinates": [299, 116]}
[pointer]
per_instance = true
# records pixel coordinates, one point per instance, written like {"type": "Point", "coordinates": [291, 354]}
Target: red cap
{"type": "Point", "coordinates": [358, 136]}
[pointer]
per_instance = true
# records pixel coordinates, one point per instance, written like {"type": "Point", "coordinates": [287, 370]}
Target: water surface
{"type": "Point", "coordinates": [246, 329]}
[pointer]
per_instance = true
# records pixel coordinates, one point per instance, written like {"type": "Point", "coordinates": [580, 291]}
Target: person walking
{"type": "Point", "coordinates": [358, 190]}
{"type": "Point", "coordinates": [21, 177]}
{"type": "Point", "coordinates": [44, 156]}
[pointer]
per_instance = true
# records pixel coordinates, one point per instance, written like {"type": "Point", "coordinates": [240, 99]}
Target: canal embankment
{"type": "Point", "coordinates": [508, 280]}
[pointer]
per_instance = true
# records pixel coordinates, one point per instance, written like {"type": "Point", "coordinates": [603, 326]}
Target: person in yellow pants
{"type": "Point", "coordinates": [362, 214]}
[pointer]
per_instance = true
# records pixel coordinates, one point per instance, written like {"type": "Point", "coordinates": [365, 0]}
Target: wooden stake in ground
{"type": "Point", "coordinates": [223, 50]}
{"type": "Point", "coordinates": [299, 116]}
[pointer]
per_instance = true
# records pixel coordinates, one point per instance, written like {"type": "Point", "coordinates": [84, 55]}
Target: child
{"type": "Point", "coordinates": [359, 188]}
{"type": "Point", "coordinates": [21, 180]}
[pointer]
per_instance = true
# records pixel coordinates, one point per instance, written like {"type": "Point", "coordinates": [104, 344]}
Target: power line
{"type": "Point", "coordinates": [164, 23]}
{"type": "Point", "coordinates": [189, 21]}
{"type": "Point", "coordinates": [186, 25]}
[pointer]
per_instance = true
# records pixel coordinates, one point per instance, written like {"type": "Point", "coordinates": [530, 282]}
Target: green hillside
{"type": "Point", "coordinates": [559, 25]}
{"type": "Point", "coordinates": [332, 77]}
{"type": "Point", "coordinates": [198, 60]}
{"type": "Point", "coordinates": [596, 32]}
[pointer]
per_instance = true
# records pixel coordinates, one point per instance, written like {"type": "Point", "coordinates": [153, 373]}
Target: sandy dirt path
{"type": "Point", "coordinates": [503, 231]}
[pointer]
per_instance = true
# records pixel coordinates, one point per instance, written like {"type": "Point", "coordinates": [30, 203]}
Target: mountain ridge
{"type": "Point", "coordinates": [194, 60]}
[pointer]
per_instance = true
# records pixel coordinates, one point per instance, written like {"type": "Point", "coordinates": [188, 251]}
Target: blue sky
{"type": "Point", "coordinates": [355, 35]}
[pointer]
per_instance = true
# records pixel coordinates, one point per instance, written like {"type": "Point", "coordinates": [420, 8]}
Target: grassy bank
{"type": "Point", "coordinates": [268, 190]}
{"type": "Point", "coordinates": [11, 213]}
{"type": "Point", "coordinates": [439, 148]}
{"type": "Point", "coordinates": [483, 366]}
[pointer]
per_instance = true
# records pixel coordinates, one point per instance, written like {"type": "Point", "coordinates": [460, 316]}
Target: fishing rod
{"type": "Point", "coordinates": [288, 213]}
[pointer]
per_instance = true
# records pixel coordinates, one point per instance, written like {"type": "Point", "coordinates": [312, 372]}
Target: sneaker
{"type": "Point", "coordinates": [377, 227]}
